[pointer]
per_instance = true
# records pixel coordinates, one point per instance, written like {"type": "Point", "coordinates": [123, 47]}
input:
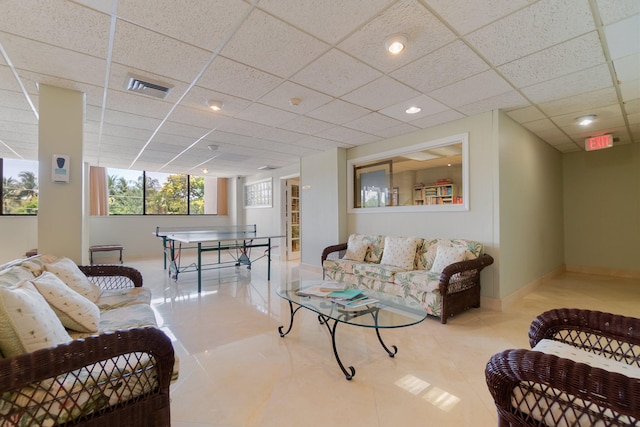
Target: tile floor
{"type": "Point", "coordinates": [235, 369]}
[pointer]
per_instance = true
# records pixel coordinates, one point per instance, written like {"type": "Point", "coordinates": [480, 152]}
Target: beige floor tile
{"type": "Point", "coordinates": [235, 369]}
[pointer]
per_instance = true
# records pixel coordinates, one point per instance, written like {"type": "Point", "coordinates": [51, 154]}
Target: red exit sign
{"type": "Point", "coordinates": [598, 142]}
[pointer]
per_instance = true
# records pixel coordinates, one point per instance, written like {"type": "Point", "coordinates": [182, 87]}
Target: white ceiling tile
{"type": "Point", "coordinates": [481, 86]}
{"type": "Point", "coordinates": [381, 93]}
{"type": "Point", "coordinates": [511, 99]}
{"type": "Point", "coordinates": [231, 77]}
{"type": "Point", "coordinates": [553, 136]}
{"type": "Point", "coordinates": [401, 129]}
{"type": "Point", "coordinates": [182, 129]}
{"type": "Point", "coordinates": [623, 37]}
{"type": "Point", "coordinates": [373, 122]}
{"type": "Point", "coordinates": [564, 58]}
{"type": "Point", "coordinates": [469, 15]}
{"type": "Point", "coordinates": [203, 24]}
{"type": "Point", "coordinates": [581, 102]}
{"type": "Point", "coordinates": [615, 10]}
{"type": "Point", "coordinates": [336, 74]}
{"type": "Point", "coordinates": [338, 111]}
{"type": "Point", "coordinates": [425, 74]}
{"type": "Point", "coordinates": [281, 96]}
{"type": "Point", "coordinates": [437, 119]}
{"type": "Point", "coordinates": [242, 127]}
{"type": "Point", "coordinates": [540, 125]}
{"type": "Point", "coordinates": [203, 118]}
{"type": "Point", "coordinates": [265, 115]}
{"type": "Point", "coordinates": [328, 21]}
{"type": "Point", "coordinates": [526, 114]}
{"type": "Point", "coordinates": [630, 90]}
{"type": "Point", "coordinates": [53, 61]}
{"type": "Point", "coordinates": [292, 47]}
{"type": "Point", "coordinates": [306, 125]}
{"type": "Point", "coordinates": [627, 68]}
{"type": "Point", "coordinates": [547, 22]}
{"type": "Point", "coordinates": [340, 133]}
{"type": "Point", "coordinates": [7, 80]}
{"type": "Point", "coordinates": [58, 23]}
{"type": "Point", "coordinates": [573, 84]}
{"type": "Point", "coordinates": [281, 135]}
{"type": "Point", "coordinates": [20, 115]}
{"type": "Point", "coordinates": [138, 104]}
{"type": "Point", "coordinates": [428, 107]}
{"type": "Point", "coordinates": [632, 108]}
{"type": "Point", "coordinates": [568, 147]}
{"type": "Point", "coordinates": [131, 120]}
{"type": "Point", "coordinates": [409, 17]}
{"type": "Point", "coordinates": [151, 52]}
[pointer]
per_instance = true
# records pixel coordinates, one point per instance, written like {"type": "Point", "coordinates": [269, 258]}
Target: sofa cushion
{"type": "Point", "coordinates": [423, 286]}
{"type": "Point", "coordinates": [378, 271]}
{"type": "Point", "coordinates": [339, 265]}
{"type": "Point", "coordinates": [37, 263]}
{"type": "Point", "coordinates": [74, 311]}
{"type": "Point", "coordinates": [12, 275]}
{"type": "Point", "coordinates": [375, 245]}
{"type": "Point", "coordinates": [447, 255]}
{"type": "Point", "coordinates": [27, 323]}
{"type": "Point", "coordinates": [400, 251]}
{"type": "Point", "coordinates": [356, 250]}
{"type": "Point", "coordinates": [68, 271]}
{"type": "Point", "coordinates": [115, 298]}
{"type": "Point", "coordinates": [430, 247]}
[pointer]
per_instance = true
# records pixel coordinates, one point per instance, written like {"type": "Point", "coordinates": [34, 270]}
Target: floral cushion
{"type": "Point", "coordinates": [74, 311]}
{"type": "Point", "coordinates": [12, 275]}
{"type": "Point", "coordinates": [375, 244]}
{"type": "Point", "coordinates": [339, 265]}
{"type": "Point", "coordinates": [356, 250]}
{"type": "Point", "coordinates": [115, 298]}
{"type": "Point", "coordinates": [36, 263]}
{"type": "Point", "coordinates": [127, 317]}
{"type": "Point", "coordinates": [68, 271]}
{"type": "Point", "coordinates": [400, 251]}
{"type": "Point", "coordinates": [377, 271]}
{"type": "Point", "coordinates": [446, 256]}
{"type": "Point", "coordinates": [430, 247]}
{"type": "Point", "coordinates": [27, 322]}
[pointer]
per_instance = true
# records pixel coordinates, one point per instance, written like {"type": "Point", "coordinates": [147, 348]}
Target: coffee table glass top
{"type": "Point", "coordinates": [390, 311]}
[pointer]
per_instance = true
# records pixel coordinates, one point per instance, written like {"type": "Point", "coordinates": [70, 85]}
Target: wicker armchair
{"type": "Point", "coordinates": [531, 388]}
{"type": "Point", "coordinates": [118, 378]}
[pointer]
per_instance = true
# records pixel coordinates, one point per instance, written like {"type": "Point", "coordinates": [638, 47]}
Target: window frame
{"type": "Point", "coordinates": [352, 164]}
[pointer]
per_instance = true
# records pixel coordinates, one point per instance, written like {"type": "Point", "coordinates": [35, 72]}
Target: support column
{"type": "Point", "coordinates": [61, 216]}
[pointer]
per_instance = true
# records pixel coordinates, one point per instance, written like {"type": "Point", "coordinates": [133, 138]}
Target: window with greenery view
{"type": "Point", "coordinates": [19, 187]}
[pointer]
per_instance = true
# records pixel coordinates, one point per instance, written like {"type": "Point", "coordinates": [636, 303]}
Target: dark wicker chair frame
{"type": "Point", "coordinates": [41, 369]}
{"type": "Point", "coordinates": [459, 282]}
{"type": "Point", "coordinates": [580, 394]}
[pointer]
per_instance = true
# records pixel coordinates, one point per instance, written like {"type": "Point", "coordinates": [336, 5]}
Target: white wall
{"type": "Point", "coordinates": [531, 204]}
{"type": "Point", "coordinates": [602, 210]}
{"type": "Point", "coordinates": [322, 203]}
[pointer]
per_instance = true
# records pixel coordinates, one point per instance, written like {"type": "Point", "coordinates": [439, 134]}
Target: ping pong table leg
{"type": "Point", "coordinates": [269, 259]}
{"type": "Point", "coordinates": [199, 267]}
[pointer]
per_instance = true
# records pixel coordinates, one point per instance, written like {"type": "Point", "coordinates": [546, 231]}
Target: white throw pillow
{"type": "Point", "coordinates": [400, 251]}
{"type": "Point", "coordinates": [74, 311]}
{"type": "Point", "coordinates": [68, 271]}
{"type": "Point", "coordinates": [447, 255]}
{"type": "Point", "coordinates": [356, 250]}
{"type": "Point", "coordinates": [27, 323]}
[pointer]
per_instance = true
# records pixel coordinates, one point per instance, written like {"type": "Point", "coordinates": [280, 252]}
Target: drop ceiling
{"type": "Point", "coordinates": [543, 62]}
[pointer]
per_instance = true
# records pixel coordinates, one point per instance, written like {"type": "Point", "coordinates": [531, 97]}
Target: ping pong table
{"type": "Point", "coordinates": [236, 241]}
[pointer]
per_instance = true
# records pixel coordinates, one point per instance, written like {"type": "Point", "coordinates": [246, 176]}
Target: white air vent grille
{"type": "Point", "coordinates": [147, 86]}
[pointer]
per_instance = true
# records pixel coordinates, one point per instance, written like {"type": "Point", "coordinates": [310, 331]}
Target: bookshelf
{"type": "Point", "coordinates": [440, 193]}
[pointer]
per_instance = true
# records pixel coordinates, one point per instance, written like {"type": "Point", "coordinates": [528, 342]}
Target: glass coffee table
{"type": "Point", "coordinates": [389, 311]}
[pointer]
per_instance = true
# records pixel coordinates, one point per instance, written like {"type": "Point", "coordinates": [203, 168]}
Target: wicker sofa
{"type": "Point", "coordinates": [442, 275]}
{"type": "Point", "coordinates": [583, 370]}
{"type": "Point", "coordinates": [117, 376]}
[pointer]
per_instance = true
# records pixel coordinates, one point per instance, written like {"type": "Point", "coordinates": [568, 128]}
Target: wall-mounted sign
{"type": "Point", "coordinates": [60, 168]}
{"type": "Point", "coordinates": [598, 142]}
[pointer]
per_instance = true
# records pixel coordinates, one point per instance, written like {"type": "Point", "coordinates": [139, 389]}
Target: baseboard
{"type": "Point", "coordinates": [509, 300]}
{"type": "Point", "coordinates": [627, 274]}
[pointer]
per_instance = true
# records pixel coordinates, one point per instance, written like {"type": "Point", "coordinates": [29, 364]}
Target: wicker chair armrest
{"type": "Point", "coordinates": [468, 270]}
{"type": "Point", "coordinates": [609, 390]}
{"type": "Point", "coordinates": [558, 324]}
{"type": "Point", "coordinates": [331, 249]}
{"type": "Point", "coordinates": [25, 369]}
{"type": "Point", "coordinates": [110, 276]}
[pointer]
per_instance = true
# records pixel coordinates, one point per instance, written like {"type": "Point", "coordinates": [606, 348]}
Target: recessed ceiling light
{"type": "Point", "coordinates": [294, 101]}
{"type": "Point", "coordinates": [205, 171]}
{"type": "Point", "coordinates": [212, 147]}
{"type": "Point", "coordinates": [396, 44]}
{"type": "Point", "coordinates": [586, 120]}
{"type": "Point", "coordinates": [413, 110]}
{"type": "Point", "coordinates": [215, 105]}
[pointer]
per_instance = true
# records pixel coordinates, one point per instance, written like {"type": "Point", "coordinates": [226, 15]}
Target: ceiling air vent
{"type": "Point", "coordinates": [266, 168]}
{"type": "Point", "coordinates": [147, 86]}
